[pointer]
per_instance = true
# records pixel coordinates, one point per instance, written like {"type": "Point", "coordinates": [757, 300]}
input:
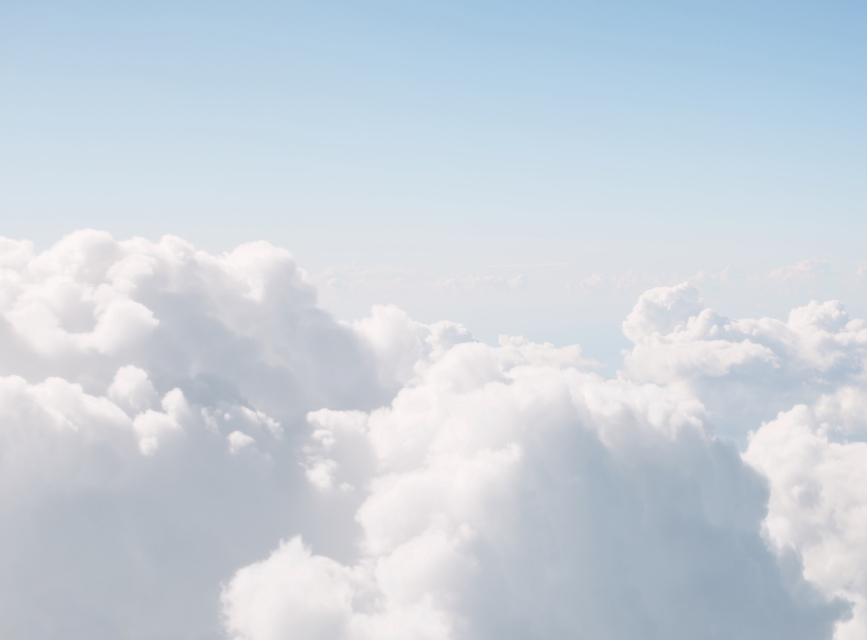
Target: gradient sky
{"type": "Point", "coordinates": [654, 137]}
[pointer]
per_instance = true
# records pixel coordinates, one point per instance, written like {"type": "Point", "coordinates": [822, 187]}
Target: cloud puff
{"type": "Point", "coordinates": [191, 448]}
{"type": "Point", "coordinates": [246, 321]}
{"type": "Point", "coordinates": [747, 370]}
{"type": "Point", "coordinates": [816, 460]}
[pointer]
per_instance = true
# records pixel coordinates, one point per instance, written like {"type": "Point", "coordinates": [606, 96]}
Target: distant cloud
{"type": "Point", "coordinates": [806, 270]}
{"type": "Point", "coordinates": [480, 283]}
{"type": "Point", "coordinates": [387, 282]}
{"type": "Point", "coordinates": [596, 282]}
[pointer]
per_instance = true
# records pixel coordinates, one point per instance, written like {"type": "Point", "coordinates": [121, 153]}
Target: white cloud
{"type": "Point", "coordinates": [238, 440]}
{"type": "Point", "coordinates": [519, 496]}
{"type": "Point", "coordinates": [798, 386]}
{"type": "Point", "coordinates": [132, 390]}
{"type": "Point", "coordinates": [189, 446]}
{"type": "Point", "coordinates": [403, 347]}
{"type": "Point", "coordinates": [134, 376]}
{"type": "Point", "coordinates": [745, 370]}
{"type": "Point", "coordinates": [816, 460]}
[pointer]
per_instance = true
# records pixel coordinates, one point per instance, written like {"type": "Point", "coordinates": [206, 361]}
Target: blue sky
{"type": "Point", "coordinates": [654, 137]}
{"type": "Point", "coordinates": [191, 448]}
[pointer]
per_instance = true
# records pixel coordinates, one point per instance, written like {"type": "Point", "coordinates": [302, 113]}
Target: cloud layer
{"type": "Point", "coordinates": [153, 397]}
{"type": "Point", "coordinates": [191, 448]}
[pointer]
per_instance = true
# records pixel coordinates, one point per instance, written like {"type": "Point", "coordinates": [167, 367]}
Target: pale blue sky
{"type": "Point", "coordinates": [659, 137]}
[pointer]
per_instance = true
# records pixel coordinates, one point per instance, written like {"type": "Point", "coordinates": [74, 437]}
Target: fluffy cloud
{"type": "Point", "coordinates": [745, 371]}
{"type": "Point", "coordinates": [512, 495]}
{"type": "Point", "coordinates": [796, 389]}
{"type": "Point", "coordinates": [818, 506]}
{"type": "Point", "coordinates": [191, 448]}
{"type": "Point", "coordinates": [152, 398]}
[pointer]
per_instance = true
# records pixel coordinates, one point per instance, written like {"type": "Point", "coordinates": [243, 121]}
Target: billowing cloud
{"type": "Point", "coordinates": [796, 391]}
{"type": "Point", "coordinates": [818, 473]}
{"type": "Point", "coordinates": [152, 398]}
{"type": "Point", "coordinates": [745, 371]}
{"type": "Point", "coordinates": [191, 448]}
{"type": "Point", "coordinates": [514, 496]}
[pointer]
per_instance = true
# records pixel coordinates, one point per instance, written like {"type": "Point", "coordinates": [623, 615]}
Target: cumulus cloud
{"type": "Point", "coordinates": [818, 507]}
{"type": "Point", "coordinates": [153, 397]}
{"type": "Point", "coordinates": [746, 370]}
{"type": "Point", "coordinates": [191, 448]}
{"type": "Point", "coordinates": [402, 346]}
{"type": "Point", "coordinates": [796, 389]}
{"type": "Point", "coordinates": [512, 495]}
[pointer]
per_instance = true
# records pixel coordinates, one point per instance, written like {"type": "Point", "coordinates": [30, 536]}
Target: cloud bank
{"type": "Point", "coordinates": [191, 448]}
